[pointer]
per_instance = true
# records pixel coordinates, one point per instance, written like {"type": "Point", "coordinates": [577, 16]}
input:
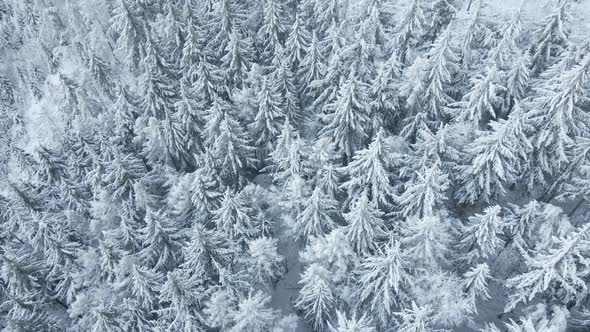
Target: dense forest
{"type": "Point", "coordinates": [294, 165]}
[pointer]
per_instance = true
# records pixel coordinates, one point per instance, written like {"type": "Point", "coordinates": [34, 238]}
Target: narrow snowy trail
{"type": "Point", "coordinates": [284, 293]}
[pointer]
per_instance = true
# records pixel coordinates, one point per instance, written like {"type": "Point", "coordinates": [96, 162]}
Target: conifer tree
{"type": "Point", "coordinates": [289, 160]}
{"type": "Point", "coordinates": [440, 15]}
{"type": "Point", "coordinates": [264, 261]}
{"type": "Point", "coordinates": [316, 298]}
{"type": "Point", "coordinates": [348, 116]}
{"type": "Point", "coordinates": [311, 67]}
{"type": "Point", "coordinates": [297, 42]}
{"type": "Point", "coordinates": [181, 293]}
{"type": "Point", "coordinates": [225, 16]}
{"type": "Point", "coordinates": [253, 314]}
{"type": "Point", "coordinates": [218, 309]}
{"type": "Point", "coordinates": [206, 188]}
{"type": "Point", "coordinates": [316, 217]}
{"type": "Point", "coordinates": [233, 217]}
{"type": "Point", "coordinates": [368, 172]}
{"type": "Point", "coordinates": [190, 117]}
{"type": "Point", "coordinates": [157, 90]}
{"type": "Point", "coordinates": [385, 104]}
{"type": "Point", "coordinates": [474, 35]}
{"type": "Point", "coordinates": [383, 280]}
{"type": "Point", "coordinates": [483, 101]}
{"type": "Point", "coordinates": [365, 225]}
{"type": "Point", "coordinates": [128, 32]}
{"type": "Point", "coordinates": [353, 324]}
{"type": "Point", "coordinates": [416, 319]}
{"type": "Point", "coordinates": [205, 251]}
{"type": "Point", "coordinates": [495, 159]}
{"type": "Point", "coordinates": [552, 37]}
{"type": "Point", "coordinates": [426, 241]}
{"type": "Point", "coordinates": [237, 58]}
{"type": "Point", "coordinates": [476, 282]}
{"type": "Point", "coordinates": [517, 80]}
{"type": "Point", "coordinates": [559, 117]}
{"type": "Point", "coordinates": [554, 268]}
{"type": "Point", "coordinates": [501, 54]}
{"type": "Point", "coordinates": [267, 122]}
{"type": "Point", "coordinates": [144, 285]}
{"type": "Point", "coordinates": [283, 79]}
{"type": "Point", "coordinates": [272, 31]}
{"type": "Point", "coordinates": [425, 193]}
{"type": "Point", "coordinates": [481, 235]}
{"type": "Point", "coordinates": [161, 242]}
{"type": "Point", "coordinates": [431, 95]}
{"type": "Point", "coordinates": [224, 135]}
{"type": "Point", "coordinates": [409, 28]}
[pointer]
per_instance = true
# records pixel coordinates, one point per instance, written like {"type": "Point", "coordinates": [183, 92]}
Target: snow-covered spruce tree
{"type": "Point", "coordinates": [353, 324]}
{"type": "Point", "coordinates": [383, 280]}
{"type": "Point", "coordinates": [368, 172]}
{"type": "Point", "coordinates": [218, 309]}
{"type": "Point", "coordinates": [361, 53]}
{"type": "Point", "coordinates": [435, 147]}
{"type": "Point", "coordinates": [180, 293]}
{"type": "Point", "coordinates": [476, 282]}
{"type": "Point", "coordinates": [311, 67]}
{"type": "Point", "coordinates": [229, 145]}
{"type": "Point", "coordinates": [237, 58]}
{"type": "Point", "coordinates": [166, 142]}
{"type": "Point", "coordinates": [427, 241]}
{"type": "Point", "coordinates": [267, 122]}
{"type": "Point", "coordinates": [272, 32]}
{"type": "Point", "coordinates": [157, 88]}
{"type": "Point", "coordinates": [504, 50]}
{"type": "Point", "coordinates": [128, 32]}
{"type": "Point", "coordinates": [298, 42]}
{"type": "Point", "coordinates": [206, 249]}
{"type": "Point", "coordinates": [416, 319]}
{"type": "Point", "coordinates": [410, 28]}
{"type": "Point", "coordinates": [553, 37]}
{"type": "Point", "coordinates": [234, 217]}
{"type": "Point", "coordinates": [345, 124]}
{"type": "Point", "coordinates": [265, 264]}
{"type": "Point", "coordinates": [225, 16]}
{"type": "Point", "coordinates": [161, 242]}
{"type": "Point", "coordinates": [316, 218]}
{"type": "Point", "coordinates": [482, 102]}
{"type": "Point", "coordinates": [253, 314]}
{"type": "Point", "coordinates": [474, 36]}
{"type": "Point", "coordinates": [325, 89]}
{"type": "Point", "coordinates": [292, 163]}
{"type": "Point", "coordinates": [438, 16]}
{"type": "Point", "coordinates": [495, 159]}
{"type": "Point", "coordinates": [205, 188]}
{"type": "Point", "coordinates": [426, 193]}
{"type": "Point", "coordinates": [365, 225]}
{"type": "Point", "coordinates": [378, 23]}
{"type": "Point", "coordinates": [283, 79]}
{"type": "Point", "coordinates": [320, 14]}
{"type": "Point", "coordinates": [316, 297]}
{"type": "Point", "coordinates": [430, 95]}
{"type": "Point", "coordinates": [144, 285]}
{"type": "Point", "coordinates": [481, 236]}
{"type": "Point", "coordinates": [190, 117]}
{"type": "Point", "coordinates": [556, 272]}
{"type": "Point", "coordinates": [558, 116]}
{"type": "Point", "coordinates": [517, 81]}
{"type": "Point", "coordinates": [332, 251]}
{"type": "Point", "coordinates": [171, 31]}
{"type": "Point", "coordinates": [385, 104]}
